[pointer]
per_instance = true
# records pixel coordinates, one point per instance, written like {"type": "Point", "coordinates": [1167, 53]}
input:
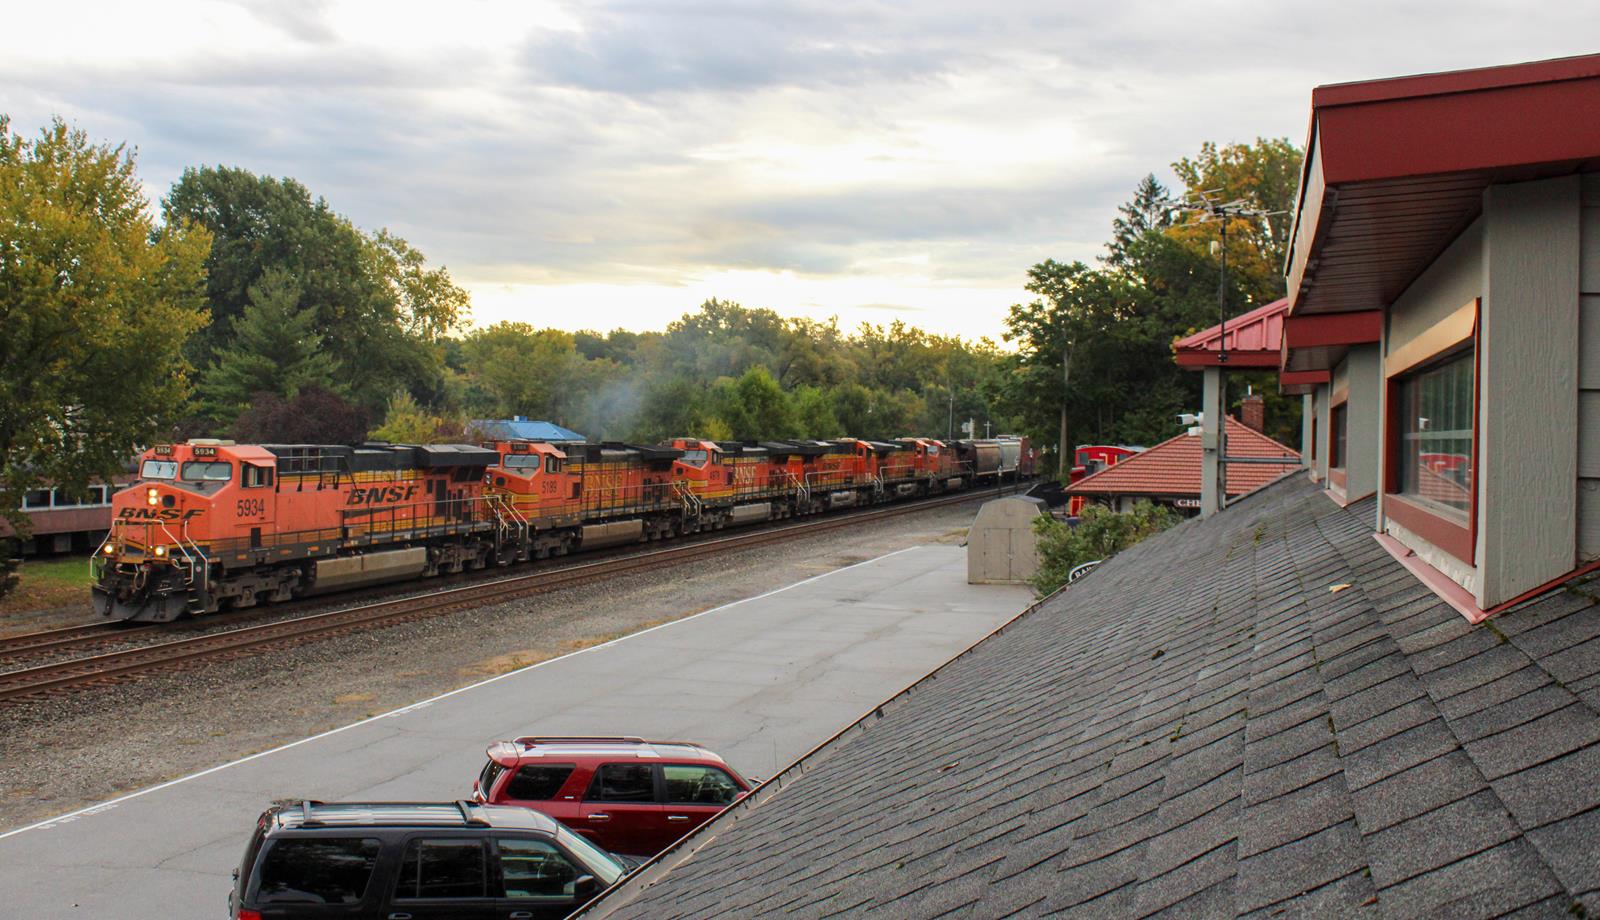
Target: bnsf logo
{"type": "Point", "coordinates": [158, 514]}
{"type": "Point", "coordinates": [382, 495]}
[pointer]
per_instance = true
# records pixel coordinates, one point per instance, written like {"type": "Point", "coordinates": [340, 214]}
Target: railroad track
{"type": "Point", "coordinates": [51, 641]}
{"type": "Point", "coordinates": [127, 663]}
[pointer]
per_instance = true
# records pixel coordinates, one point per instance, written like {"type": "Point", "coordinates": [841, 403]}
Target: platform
{"type": "Point", "coordinates": [761, 681]}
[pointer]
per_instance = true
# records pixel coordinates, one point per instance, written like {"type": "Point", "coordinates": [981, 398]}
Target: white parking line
{"type": "Point", "coordinates": [112, 803]}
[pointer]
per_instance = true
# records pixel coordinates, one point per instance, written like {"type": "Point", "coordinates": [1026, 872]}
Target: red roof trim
{"type": "Point", "coordinates": [1395, 169]}
{"type": "Point", "coordinates": [1304, 378]}
{"type": "Point", "coordinates": [1457, 81]}
{"type": "Point", "coordinates": [1362, 328]}
{"type": "Point", "coordinates": [1254, 340]}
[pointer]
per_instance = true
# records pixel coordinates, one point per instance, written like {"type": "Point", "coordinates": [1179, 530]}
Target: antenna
{"type": "Point", "coordinates": [1205, 203]}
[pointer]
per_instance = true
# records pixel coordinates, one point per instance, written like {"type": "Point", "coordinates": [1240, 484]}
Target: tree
{"type": "Point", "coordinates": [96, 304]}
{"type": "Point", "coordinates": [525, 371]}
{"type": "Point", "coordinates": [1147, 212]}
{"type": "Point", "coordinates": [755, 408]}
{"type": "Point", "coordinates": [1265, 175]}
{"type": "Point", "coordinates": [406, 422]}
{"type": "Point", "coordinates": [378, 308]}
{"type": "Point", "coordinates": [313, 416]}
{"type": "Point", "coordinates": [273, 349]}
{"type": "Point", "coordinates": [1099, 534]}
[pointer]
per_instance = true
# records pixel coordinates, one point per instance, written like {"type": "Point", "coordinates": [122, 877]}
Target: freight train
{"type": "Point", "coordinates": [213, 525]}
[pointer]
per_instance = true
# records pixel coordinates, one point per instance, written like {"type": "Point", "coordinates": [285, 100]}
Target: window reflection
{"type": "Point", "coordinates": [1436, 410]}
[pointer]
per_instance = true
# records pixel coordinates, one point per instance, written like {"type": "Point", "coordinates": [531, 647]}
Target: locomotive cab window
{"type": "Point", "coordinates": [206, 471]}
{"type": "Point", "coordinates": [694, 457]}
{"type": "Point", "coordinates": [522, 463]}
{"type": "Point", "coordinates": [159, 469]}
{"type": "Point", "coordinates": [255, 477]}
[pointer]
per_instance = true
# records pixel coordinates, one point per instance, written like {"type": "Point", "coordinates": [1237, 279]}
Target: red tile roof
{"type": "Point", "coordinates": [1173, 467]}
{"type": "Point", "coordinates": [1255, 339]}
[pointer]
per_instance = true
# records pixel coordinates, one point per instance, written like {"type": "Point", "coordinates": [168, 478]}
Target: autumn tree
{"type": "Point", "coordinates": [1265, 175]}
{"type": "Point", "coordinates": [96, 303]}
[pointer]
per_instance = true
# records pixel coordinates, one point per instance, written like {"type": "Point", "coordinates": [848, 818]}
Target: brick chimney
{"type": "Point", "coordinates": [1253, 412]}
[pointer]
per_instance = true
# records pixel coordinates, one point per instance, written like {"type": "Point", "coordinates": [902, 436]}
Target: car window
{"type": "Point", "coordinates": [444, 868]}
{"type": "Point", "coordinates": [601, 865]}
{"type": "Point", "coordinates": [534, 870]}
{"type": "Point", "coordinates": [318, 870]}
{"type": "Point", "coordinates": [486, 779]}
{"type": "Point", "coordinates": [623, 782]}
{"type": "Point", "coordinates": [695, 785]}
{"type": "Point", "coordinates": [537, 782]}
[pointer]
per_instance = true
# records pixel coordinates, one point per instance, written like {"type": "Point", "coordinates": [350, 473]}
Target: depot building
{"type": "Point", "coordinates": [1444, 320]}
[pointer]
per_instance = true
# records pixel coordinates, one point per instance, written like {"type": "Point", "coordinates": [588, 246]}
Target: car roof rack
{"type": "Point", "coordinates": [469, 813]}
{"type": "Point", "coordinates": [581, 739]}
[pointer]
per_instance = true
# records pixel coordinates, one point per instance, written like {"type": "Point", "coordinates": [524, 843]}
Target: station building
{"type": "Point", "coordinates": [1444, 319]}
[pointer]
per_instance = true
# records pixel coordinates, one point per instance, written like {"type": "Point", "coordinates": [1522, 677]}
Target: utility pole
{"type": "Point", "coordinates": [1214, 404]}
{"type": "Point", "coordinates": [950, 424]}
{"type": "Point", "coordinates": [1066, 377]}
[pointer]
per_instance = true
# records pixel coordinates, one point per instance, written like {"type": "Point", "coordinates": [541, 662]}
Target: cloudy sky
{"type": "Point", "coordinates": [614, 163]}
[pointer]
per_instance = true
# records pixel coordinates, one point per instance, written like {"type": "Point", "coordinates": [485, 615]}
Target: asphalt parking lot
{"type": "Point", "coordinates": [760, 681]}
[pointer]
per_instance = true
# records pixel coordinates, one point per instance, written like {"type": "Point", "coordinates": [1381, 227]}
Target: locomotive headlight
{"type": "Point", "coordinates": [110, 550]}
{"type": "Point", "coordinates": [160, 551]}
{"type": "Point", "coordinates": [150, 496]}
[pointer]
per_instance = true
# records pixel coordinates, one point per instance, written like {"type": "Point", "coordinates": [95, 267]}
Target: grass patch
{"type": "Point", "coordinates": [53, 581]}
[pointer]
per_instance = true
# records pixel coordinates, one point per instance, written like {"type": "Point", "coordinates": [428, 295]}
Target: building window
{"type": "Point", "coordinates": [1435, 421]}
{"type": "Point", "coordinates": [1340, 425]}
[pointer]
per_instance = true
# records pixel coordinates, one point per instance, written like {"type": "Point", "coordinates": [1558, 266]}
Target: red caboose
{"type": "Point", "coordinates": [1089, 459]}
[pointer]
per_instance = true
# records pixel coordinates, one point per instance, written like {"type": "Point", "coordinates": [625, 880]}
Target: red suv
{"type": "Point", "coordinates": [628, 795]}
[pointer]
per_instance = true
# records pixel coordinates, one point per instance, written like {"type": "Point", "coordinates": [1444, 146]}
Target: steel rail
{"type": "Point", "coordinates": [48, 678]}
{"type": "Point", "coordinates": [51, 640]}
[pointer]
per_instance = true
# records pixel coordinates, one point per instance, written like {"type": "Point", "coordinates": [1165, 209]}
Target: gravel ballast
{"type": "Point", "coordinates": [64, 753]}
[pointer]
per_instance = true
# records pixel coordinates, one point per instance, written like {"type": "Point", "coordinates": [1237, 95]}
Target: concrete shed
{"type": "Point", "coordinates": [1001, 546]}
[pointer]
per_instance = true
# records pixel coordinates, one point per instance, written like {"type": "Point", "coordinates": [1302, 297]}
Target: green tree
{"type": "Point", "coordinates": [523, 370]}
{"type": "Point", "coordinates": [96, 303]}
{"type": "Point", "coordinates": [814, 414]}
{"type": "Point", "coordinates": [406, 422]}
{"type": "Point", "coordinates": [273, 349]}
{"type": "Point", "coordinates": [1099, 534]}
{"type": "Point", "coordinates": [1148, 211]}
{"type": "Point", "coordinates": [377, 306]}
{"type": "Point", "coordinates": [755, 408]}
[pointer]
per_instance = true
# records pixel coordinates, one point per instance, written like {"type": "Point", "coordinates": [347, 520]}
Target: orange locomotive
{"type": "Point", "coordinates": [213, 523]}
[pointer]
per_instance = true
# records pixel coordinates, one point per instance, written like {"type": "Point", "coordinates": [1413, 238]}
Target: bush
{"type": "Point", "coordinates": [1100, 533]}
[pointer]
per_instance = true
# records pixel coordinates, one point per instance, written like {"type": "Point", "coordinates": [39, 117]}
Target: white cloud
{"type": "Point", "coordinates": [614, 163]}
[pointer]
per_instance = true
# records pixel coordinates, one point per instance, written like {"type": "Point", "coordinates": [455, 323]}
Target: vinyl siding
{"type": "Point", "coordinates": [1589, 374]}
{"type": "Point", "coordinates": [1528, 374]}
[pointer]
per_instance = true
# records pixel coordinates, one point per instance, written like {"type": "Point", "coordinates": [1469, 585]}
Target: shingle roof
{"type": "Point", "coordinates": [1256, 714]}
{"type": "Point", "coordinates": [1173, 467]}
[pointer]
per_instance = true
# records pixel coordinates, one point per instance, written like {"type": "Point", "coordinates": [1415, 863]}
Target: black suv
{"type": "Point", "coordinates": [414, 861]}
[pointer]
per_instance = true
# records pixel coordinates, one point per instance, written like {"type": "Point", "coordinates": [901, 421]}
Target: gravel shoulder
{"type": "Point", "coordinates": [60, 754]}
